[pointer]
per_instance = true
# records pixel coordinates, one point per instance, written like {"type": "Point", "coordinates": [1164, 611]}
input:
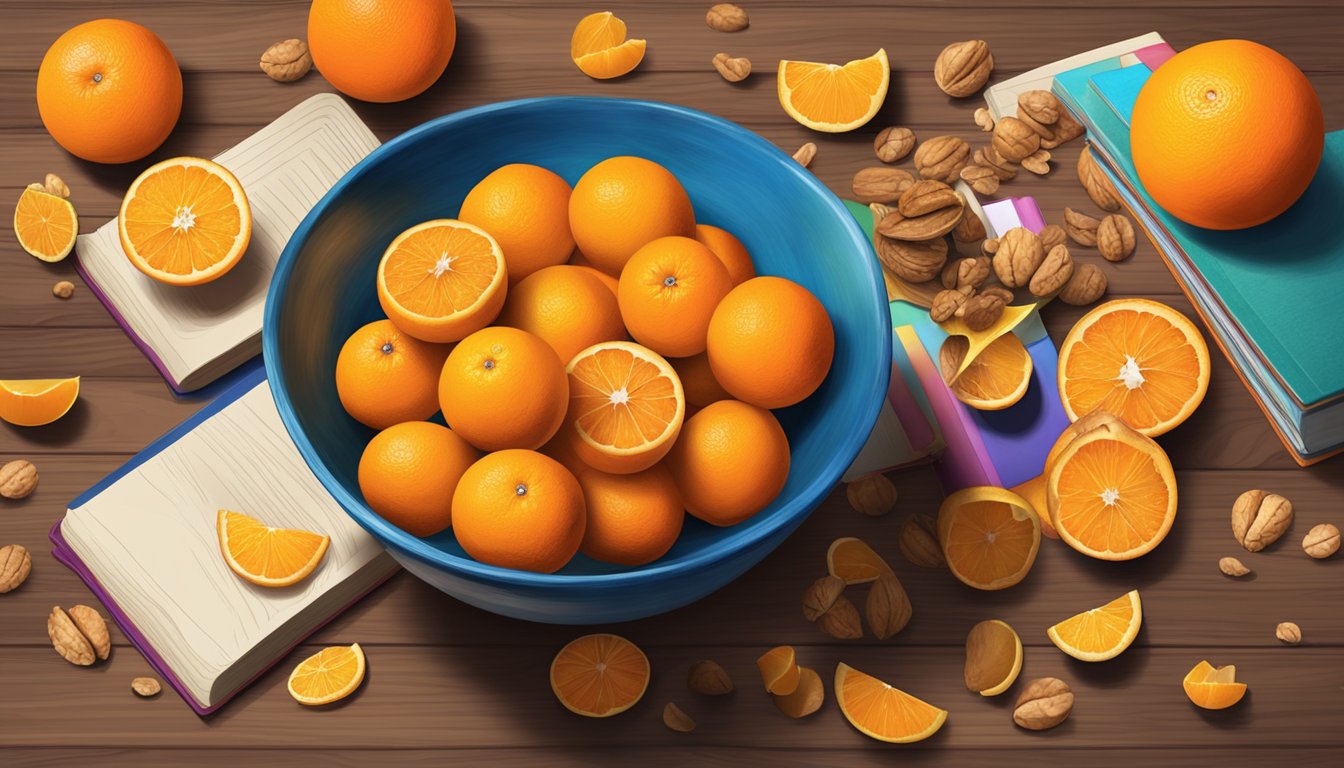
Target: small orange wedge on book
{"type": "Point", "coordinates": [442, 280]}
{"type": "Point", "coordinates": [854, 561]}
{"type": "Point", "coordinates": [266, 556]}
{"type": "Point", "coordinates": [599, 48]}
{"type": "Point", "coordinates": [997, 378]}
{"type": "Point", "coordinates": [1101, 633]}
{"type": "Point", "coordinates": [328, 676]}
{"type": "Point", "coordinates": [599, 675]}
{"type": "Point", "coordinates": [990, 536]}
{"type": "Point", "coordinates": [883, 712]}
{"type": "Point", "coordinates": [779, 670]}
{"type": "Point", "coordinates": [35, 402]}
{"type": "Point", "coordinates": [45, 224]}
{"type": "Point", "coordinates": [185, 221]}
{"type": "Point", "coordinates": [1213, 688]}
{"type": "Point", "coordinates": [834, 98]}
{"type": "Point", "coordinates": [626, 406]}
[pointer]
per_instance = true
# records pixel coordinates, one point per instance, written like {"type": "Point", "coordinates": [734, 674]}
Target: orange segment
{"type": "Point", "coordinates": [599, 675]}
{"type": "Point", "coordinates": [626, 406]}
{"type": "Point", "coordinates": [34, 402]}
{"type": "Point", "coordinates": [833, 98]}
{"type": "Point", "coordinates": [185, 221]}
{"type": "Point", "coordinates": [854, 561]}
{"type": "Point", "coordinates": [45, 225]}
{"type": "Point", "coordinates": [266, 556]}
{"type": "Point", "coordinates": [599, 48]}
{"type": "Point", "coordinates": [442, 280]}
{"type": "Point", "coordinates": [1101, 633]}
{"type": "Point", "coordinates": [1138, 359]}
{"type": "Point", "coordinates": [883, 712]}
{"type": "Point", "coordinates": [327, 676]}
{"type": "Point", "coordinates": [997, 378]}
{"type": "Point", "coordinates": [779, 670]}
{"type": "Point", "coordinates": [1211, 688]}
{"type": "Point", "coordinates": [989, 536]}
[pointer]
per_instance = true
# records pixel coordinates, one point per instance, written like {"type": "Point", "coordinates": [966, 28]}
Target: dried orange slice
{"type": "Point", "coordinates": [989, 536]}
{"type": "Point", "coordinates": [35, 402]}
{"type": "Point", "coordinates": [1138, 359]}
{"type": "Point", "coordinates": [442, 280]}
{"type": "Point", "coordinates": [266, 556]}
{"type": "Point", "coordinates": [599, 675]}
{"type": "Point", "coordinates": [997, 378]}
{"type": "Point", "coordinates": [854, 561]}
{"type": "Point", "coordinates": [834, 98]}
{"type": "Point", "coordinates": [327, 676]}
{"type": "Point", "coordinates": [185, 221]}
{"type": "Point", "coordinates": [599, 48]}
{"type": "Point", "coordinates": [1211, 688]}
{"type": "Point", "coordinates": [626, 406]}
{"type": "Point", "coordinates": [779, 670]}
{"type": "Point", "coordinates": [883, 712]}
{"type": "Point", "coordinates": [993, 657]}
{"type": "Point", "coordinates": [45, 225]}
{"type": "Point", "coordinates": [1101, 633]}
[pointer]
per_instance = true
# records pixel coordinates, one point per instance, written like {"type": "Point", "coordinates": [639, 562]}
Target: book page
{"type": "Point", "coordinates": [1001, 98]}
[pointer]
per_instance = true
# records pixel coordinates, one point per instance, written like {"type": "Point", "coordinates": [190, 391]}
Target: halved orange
{"type": "Point", "coordinates": [599, 48]}
{"type": "Point", "coordinates": [626, 406]}
{"type": "Point", "coordinates": [327, 676]}
{"type": "Point", "coordinates": [989, 536]}
{"type": "Point", "coordinates": [1211, 688]}
{"type": "Point", "coordinates": [779, 670]}
{"type": "Point", "coordinates": [1101, 633]}
{"type": "Point", "coordinates": [883, 712]}
{"type": "Point", "coordinates": [1138, 359]}
{"type": "Point", "coordinates": [34, 402]}
{"type": "Point", "coordinates": [834, 98]}
{"type": "Point", "coordinates": [1112, 492]}
{"type": "Point", "coordinates": [185, 221]}
{"type": "Point", "coordinates": [266, 556]}
{"type": "Point", "coordinates": [854, 561]}
{"type": "Point", "coordinates": [599, 675]}
{"type": "Point", "coordinates": [997, 378]}
{"type": "Point", "coordinates": [45, 225]}
{"type": "Point", "coordinates": [442, 280]}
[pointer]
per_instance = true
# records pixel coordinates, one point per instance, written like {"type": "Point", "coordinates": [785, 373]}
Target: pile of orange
{"type": "Point", "coordinates": [603, 365]}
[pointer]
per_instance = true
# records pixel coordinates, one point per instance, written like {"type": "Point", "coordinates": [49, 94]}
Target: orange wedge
{"type": "Point", "coordinates": [1211, 688]}
{"type": "Point", "coordinates": [45, 225]}
{"type": "Point", "coordinates": [997, 378]}
{"type": "Point", "coordinates": [626, 406]}
{"type": "Point", "coordinates": [599, 675]}
{"type": "Point", "coordinates": [854, 561]}
{"type": "Point", "coordinates": [1033, 492]}
{"type": "Point", "coordinates": [989, 536]}
{"type": "Point", "coordinates": [34, 402]}
{"type": "Point", "coordinates": [1138, 359]}
{"type": "Point", "coordinates": [442, 280]}
{"type": "Point", "coordinates": [883, 712]}
{"type": "Point", "coordinates": [265, 556]}
{"type": "Point", "coordinates": [599, 48]}
{"type": "Point", "coordinates": [327, 676]}
{"type": "Point", "coordinates": [832, 98]}
{"type": "Point", "coordinates": [993, 657]}
{"type": "Point", "coordinates": [185, 221]}
{"type": "Point", "coordinates": [1101, 633]}
{"type": "Point", "coordinates": [779, 670]}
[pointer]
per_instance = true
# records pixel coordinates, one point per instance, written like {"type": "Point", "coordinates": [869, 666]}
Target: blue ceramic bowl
{"type": "Point", "coordinates": [793, 226]}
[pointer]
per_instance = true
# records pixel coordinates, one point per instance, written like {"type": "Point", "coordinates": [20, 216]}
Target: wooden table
{"type": "Point", "coordinates": [452, 684]}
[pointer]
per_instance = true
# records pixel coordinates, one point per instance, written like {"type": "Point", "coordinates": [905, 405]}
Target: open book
{"type": "Point", "coordinates": [196, 334]}
{"type": "Point", "coordinates": [144, 541]}
{"type": "Point", "coordinates": [1001, 98]}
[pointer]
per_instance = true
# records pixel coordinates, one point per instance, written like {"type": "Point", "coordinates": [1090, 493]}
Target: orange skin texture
{"type": "Point", "coordinates": [385, 376]}
{"type": "Point", "coordinates": [381, 50]}
{"type": "Point", "coordinates": [730, 251]}
{"type": "Point", "coordinates": [697, 380]}
{"type": "Point", "coordinates": [408, 474]}
{"type": "Point", "coordinates": [128, 110]}
{"type": "Point", "coordinates": [567, 307]}
{"type": "Point", "coordinates": [632, 519]}
{"type": "Point", "coordinates": [672, 319]}
{"type": "Point", "coordinates": [621, 204]}
{"type": "Point", "coordinates": [731, 460]}
{"type": "Point", "coordinates": [504, 388]}
{"type": "Point", "coordinates": [519, 509]}
{"type": "Point", "coordinates": [526, 209]}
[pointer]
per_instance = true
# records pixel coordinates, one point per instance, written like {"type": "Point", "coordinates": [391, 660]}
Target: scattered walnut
{"type": "Point", "coordinates": [821, 595]}
{"type": "Point", "coordinates": [1231, 566]}
{"type": "Point", "coordinates": [982, 311]}
{"type": "Point", "coordinates": [1066, 129]}
{"type": "Point", "coordinates": [892, 144]}
{"type": "Point", "coordinates": [1053, 273]}
{"type": "Point", "coordinates": [726, 17]}
{"type": "Point", "coordinates": [1288, 632]}
{"type": "Point", "coordinates": [951, 356]}
{"type": "Point", "coordinates": [18, 479]}
{"type": "Point", "coordinates": [926, 196]}
{"type": "Point", "coordinates": [1041, 106]}
{"type": "Point", "coordinates": [842, 620]}
{"type": "Point", "coordinates": [963, 68]}
{"type": "Point", "coordinates": [888, 607]}
{"type": "Point", "coordinates": [1051, 235]}
{"type": "Point", "coordinates": [1037, 162]}
{"type": "Point", "coordinates": [917, 262]}
{"type": "Point", "coordinates": [1044, 703]}
{"type": "Point", "coordinates": [873, 495]}
{"type": "Point", "coordinates": [1260, 518]}
{"type": "Point", "coordinates": [709, 678]}
{"type": "Point", "coordinates": [998, 290]}
{"type": "Point", "coordinates": [68, 641]}
{"type": "Point", "coordinates": [881, 185]}
{"type": "Point", "coordinates": [15, 565]}
{"type": "Point", "coordinates": [805, 154]}
{"type": "Point", "coordinates": [946, 304]}
{"type": "Point", "coordinates": [146, 687]}
{"type": "Point", "coordinates": [970, 230]}
{"type": "Point", "coordinates": [63, 290]}
{"type": "Point", "coordinates": [930, 226]}
{"type": "Point", "coordinates": [982, 178]}
{"type": "Point", "coordinates": [1014, 139]}
{"type": "Point", "coordinates": [1321, 541]}
{"type": "Point", "coordinates": [1086, 286]}
{"type": "Point", "coordinates": [918, 542]}
{"type": "Point", "coordinates": [1002, 167]}
{"type": "Point", "coordinates": [942, 158]}
{"type": "Point", "coordinates": [971, 273]}
{"type": "Point", "coordinates": [984, 119]}
{"type": "Point", "coordinates": [1115, 237]}
{"type": "Point", "coordinates": [1082, 228]}
{"type": "Point", "coordinates": [677, 720]}
{"type": "Point", "coordinates": [1020, 253]}
{"type": "Point", "coordinates": [1046, 132]}
{"type": "Point", "coordinates": [287, 60]}
{"type": "Point", "coordinates": [990, 246]}
{"type": "Point", "coordinates": [1095, 182]}
{"type": "Point", "coordinates": [93, 627]}
{"type": "Point", "coordinates": [733, 69]}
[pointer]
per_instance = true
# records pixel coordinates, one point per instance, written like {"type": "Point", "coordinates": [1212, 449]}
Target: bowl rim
{"type": "Point", "coordinates": [804, 501]}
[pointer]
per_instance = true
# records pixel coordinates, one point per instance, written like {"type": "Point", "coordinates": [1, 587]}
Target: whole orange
{"type": "Point", "coordinates": [504, 388]}
{"type": "Point", "coordinates": [730, 461]}
{"type": "Point", "coordinates": [565, 306]}
{"type": "Point", "coordinates": [607, 280]}
{"type": "Point", "coordinates": [519, 509]}
{"type": "Point", "coordinates": [632, 519]}
{"type": "Point", "coordinates": [697, 379]}
{"type": "Point", "coordinates": [526, 209]}
{"type": "Point", "coordinates": [622, 203]}
{"type": "Point", "coordinates": [1227, 134]}
{"type": "Point", "coordinates": [109, 91]}
{"type": "Point", "coordinates": [381, 50]}
{"type": "Point", "coordinates": [385, 376]}
{"type": "Point", "coordinates": [770, 342]}
{"type": "Point", "coordinates": [408, 474]}
{"type": "Point", "coordinates": [667, 293]}
{"type": "Point", "coordinates": [729, 249]}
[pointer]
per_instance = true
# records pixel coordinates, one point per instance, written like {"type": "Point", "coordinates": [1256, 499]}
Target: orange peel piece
{"type": "Point", "coordinates": [779, 670]}
{"type": "Point", "coordinates": [854, 561]}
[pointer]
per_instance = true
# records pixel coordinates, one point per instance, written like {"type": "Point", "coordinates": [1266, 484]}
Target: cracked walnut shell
{"type": "Point", "coordinates": [1260, 518]}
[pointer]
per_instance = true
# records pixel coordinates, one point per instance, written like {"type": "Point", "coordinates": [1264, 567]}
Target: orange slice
{"type": "Point", "coordinates": [599, 48]}
{"type": "Point", "coordinates": [883, 712]}
{"type": "Point", "coordinates": [599, 675]}
{"type": "Point", "coordinates": [45, 225]}
{"type": "Point", "coordinates": [34, 402]}
{"type": "Point", "coordinates": [442, 280]}
{"type": "Point", "coordinates": [1101, 633]}
{"type": "Point", "coordinates": [1112, 492]}
{"type": "Point", "coordinates": [806, 698]}
{"type": "Point", "coordinates": [185, 221]}
{"type": "Point", "coordinates": [997, 378]}
{"type": "Point", "coordinates": [265, 556]}
{"type": "Point", "coordinates": [1211, 688]}
{"type": "Point", "coordinates": [1138, 359]}
{"type": "Point", "coordinates": [854, 561]}
{"type": "Point", "coordinates": [1033, 492]}
{"type": "Point", "coordinates": [327, 676]}
{"type": "Point", "coordinates": [989, 536]}
{"type": "Point", "coordinates": [993, 657]}
{"type": "Point", "coordinates": [832, 98]}
{"type": "Point", "coordinates": [779, 670]}
{"type": "Point", "coordinates": [626, 406]}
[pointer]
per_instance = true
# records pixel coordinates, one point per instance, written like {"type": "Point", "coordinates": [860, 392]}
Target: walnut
{"type": "Point", "coordinates": [1041, 106]}
{"type": "Point", "coordinates": [892, 144]}
{"type": "Point", "coordinates": [982, 310]}
{"type": "Point", "coordinates": [1086, 286]}
{"type": "Point", "coordinates": [963, 68]}
{"type": "Point", "coordinates": [287, 60]}
{"type": "Point", "coordinates": [1115, 237]}
{"type": "Point", "coordinates": [1051, 235]}
{"type": "Point", "coordinates": [990, 158]}
{"type": "Point", "coordinates": [946, 303]}
{"type": "Point", "coordinates": [982, 179]}
{"type": "Point", "coordinates": [917, 262]}
{"type": "Point", "coordinates": [970, 230]}
{"type": "Point", "coordinates": [942, 158]}
{"type": "Point", "coordinates": [1020, 253]}
{"type": "Point", "coordinates": [1260, 518]}
{"type": "Point", "coordinates": [880, 184]}
{"type": "Point", "coordinates": [1095, 182]}
{"type": "Point", "coordinates": [1014, 139]}
{"type": "Point", "coordinates": [733, 69]}
{"type": "Point", "coordinates": [967, 273]}
{"type": "Point", "coordinates": [1053, 273]}
{"type": "Point", "coordinates": [1082, 228]}
{"type": "Point", "coordinates": [726, 17]}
